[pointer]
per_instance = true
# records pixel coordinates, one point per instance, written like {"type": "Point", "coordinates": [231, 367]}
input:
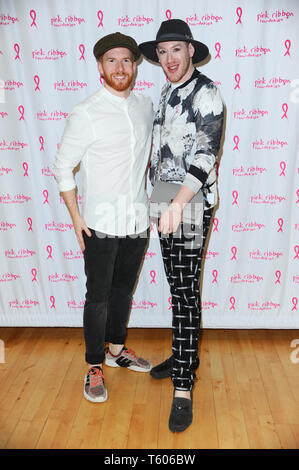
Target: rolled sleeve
{"type": "Point", "coordinates": [208, 111]}
{"type": "Point", "coordinates": [77, 136]}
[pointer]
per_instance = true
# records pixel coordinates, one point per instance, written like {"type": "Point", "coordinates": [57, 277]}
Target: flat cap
{"type": "Point", "coordinates": [116, 40]}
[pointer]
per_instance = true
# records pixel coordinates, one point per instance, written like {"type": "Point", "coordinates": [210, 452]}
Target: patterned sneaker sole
{"type": "Point", "coordinates": [112, 363]}
{"type": "Point", "coordinates": [95, 399]}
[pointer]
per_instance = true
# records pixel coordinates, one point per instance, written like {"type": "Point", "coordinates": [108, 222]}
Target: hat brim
{"type": "Point", "coordinates": [148, 49]}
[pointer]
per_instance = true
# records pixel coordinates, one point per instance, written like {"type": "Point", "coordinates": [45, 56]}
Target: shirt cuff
{"type": "Point", "coordinates": [192, 183]}
{"type": "Point", "coordinates": [66, 186]}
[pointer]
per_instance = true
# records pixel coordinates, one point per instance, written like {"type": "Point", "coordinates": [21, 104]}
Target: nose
{"type": "Point", "coordinates": [119, 66]}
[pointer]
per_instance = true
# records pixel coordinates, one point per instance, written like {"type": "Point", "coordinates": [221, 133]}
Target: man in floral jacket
{"type": "Point", "coordinates": [186, 140]}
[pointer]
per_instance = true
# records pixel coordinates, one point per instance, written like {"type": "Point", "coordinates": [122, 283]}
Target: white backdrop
{"type": "Point", "coordinates": [251, 275]}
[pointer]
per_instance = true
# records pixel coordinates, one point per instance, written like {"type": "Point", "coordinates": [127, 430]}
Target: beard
{"type": "Point", "coordinates": [118, 85]}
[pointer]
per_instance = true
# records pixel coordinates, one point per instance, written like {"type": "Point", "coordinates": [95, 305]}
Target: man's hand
{"type": "Point", "coordinates": [170, 219]}
{"type": "Point", "coordinates": [79, 226]}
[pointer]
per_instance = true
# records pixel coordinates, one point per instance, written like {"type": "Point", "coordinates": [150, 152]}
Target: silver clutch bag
{"type": "Point", "coordinates": [163, 194]}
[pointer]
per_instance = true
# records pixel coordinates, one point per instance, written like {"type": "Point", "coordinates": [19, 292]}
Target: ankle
{"type": "Point", "coordinates": [182, 394]}
{"type": "Point", "coordinates": [115, 349]}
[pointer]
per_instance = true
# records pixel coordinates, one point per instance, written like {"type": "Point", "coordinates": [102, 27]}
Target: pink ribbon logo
{"type": "Point", "coordinates": [21, 111]}
{"type": "Point", "coordinates": [34, 273]}
{"type": "Point", "coordinates": [100, 16]}
{"type": "Point", "coordinates": [37, 82]}
{"type": "Point", "coordinates": [168, 14]}
{"type": "Point", "coordinates": [287, 44]}
{"type": "Point", "coordinates": [49, 250]}
{"type": "Point", "coordinates": [153, 275]}
{"type": "Point", "coordinates": [239, 14]}
{"type": "Point", "coordinates": [278, 276]}
{"type": "Point", "coordinates": [218, 49]}
{"type": "Point", "coordinates": [17, 50]}
{"type": "Point", "coordinates": [82, 50]}
{"type": "Point", "coordinates": [52, 299]}
{"type": "Point", "coordinates": [215, 223]}
{"type": "Point", "coordinates": [170, 303]}
{"type": "Point", "coordinates": [237, 80]}
{"type": "Point", "coordinates": [41, 141]}
{"type": "Point", "coordinates": [215, 274]}
{"type": "Point", "coordinates": [285, 110]}
{"type": "Point", "coordinates": [296, 249]}
{"type": "Point", "coordinates": [234, 252]}
{"type": "Point", "coordinates": [46, 195]}
{"type": "Point", "coordinates": [297, 192]}
{"type": "Point", "coordinates": [236, 140]}
{"type": "Point", "coordinates": [29, 220]}
{"type": "Point", "coordinates": [233, 303]}
{"type": "Point", "coordinates": [295, 303]}
{"type": "Point", "coordinates": [235, 195]}
{"type": "Point", "coordinates": [33, 17]}
{"type": "Point", "coordinates": [283, 166]}
{"type": "Point", "coordinates": [25, 166]}
{"type": "Point", "coordinates": [280, 224]}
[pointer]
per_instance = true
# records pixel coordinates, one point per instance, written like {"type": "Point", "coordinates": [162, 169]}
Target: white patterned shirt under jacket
{"type": "Point", "coordinates": [186, 136]}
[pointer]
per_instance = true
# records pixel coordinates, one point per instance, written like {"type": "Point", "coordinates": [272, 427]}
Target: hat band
{"type": "Point", "coordinates": [170, 36]}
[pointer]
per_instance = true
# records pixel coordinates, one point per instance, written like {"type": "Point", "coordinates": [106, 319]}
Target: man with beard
{"type": "Point", "coordinates": [186, 140]}
{"type": "Point", "coordinates": [110, 134]}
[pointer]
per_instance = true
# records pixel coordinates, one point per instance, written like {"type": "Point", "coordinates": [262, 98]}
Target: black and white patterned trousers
{"type": "Point", "coordinates": [182, 263]}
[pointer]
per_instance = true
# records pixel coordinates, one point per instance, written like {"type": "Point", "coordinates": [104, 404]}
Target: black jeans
{"type": "Point", "coordinates": [111, 268]}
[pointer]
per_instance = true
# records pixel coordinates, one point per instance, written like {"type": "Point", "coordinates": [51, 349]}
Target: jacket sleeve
{"type": "Point", "coordinates": [208, 112]}
{"type": "Point", "coordinates": [77, 136]}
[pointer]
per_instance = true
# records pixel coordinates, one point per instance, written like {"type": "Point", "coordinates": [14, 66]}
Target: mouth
{"type": "Point", "coordinates": [173, 68]}
{"type": "Point", "coordinates": [119, 77]}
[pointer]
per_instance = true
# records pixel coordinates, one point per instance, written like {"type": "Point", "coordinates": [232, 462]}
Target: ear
{"type": "Point", "coordinates": [191, 49]}
{"type": "Point", "coordinates": [100, 67]}
{"type": "Point", "coordinates": [134, 66]}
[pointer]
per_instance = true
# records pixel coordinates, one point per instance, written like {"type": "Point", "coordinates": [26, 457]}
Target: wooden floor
{"type": "Point", "coordinates": [246, 395]}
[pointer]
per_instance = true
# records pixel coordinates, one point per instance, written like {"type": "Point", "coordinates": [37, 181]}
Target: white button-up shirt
{"type": "Point", "coordinates": [111, 137]}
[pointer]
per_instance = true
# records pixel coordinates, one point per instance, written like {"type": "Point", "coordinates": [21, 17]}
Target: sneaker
{"type": "Point", "coordinates": [181, 414]}
{"type": "Point", "coordinates": [163, 370]}
{"type": "Point", "coordinates": [127, 358]}
{"type": "Point", "coordinates": [94, 386]}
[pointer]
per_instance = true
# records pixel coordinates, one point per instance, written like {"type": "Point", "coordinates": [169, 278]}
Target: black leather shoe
{"type": "Point", "coordinates": [163, 370]}
{"type": "Point", "coordinates": [181, 414]}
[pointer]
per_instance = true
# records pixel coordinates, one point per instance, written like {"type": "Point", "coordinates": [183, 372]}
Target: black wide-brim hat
{"type": "Point", "coordinates": [174, 30]}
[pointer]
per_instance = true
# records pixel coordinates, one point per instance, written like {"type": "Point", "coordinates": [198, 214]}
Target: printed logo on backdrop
{"type": "Point", "coordinates": [252, 226]}
{"type": "Point", "coordinates": [72, 254]}
{"type": "Point", "coordinates": [205, 19]}
{"type": "Point", "coordinates": [56, 115]}
{"type": "Point", "coordinates": [26, 303]}
{"type": "Point", "coordinates": [143, 304]}
{"type": "Point", "coordinates": [68, 21]}
{"type": "Point", "coordinates": [12, 85]}
{"type": "Point", "coordinates": [270, 144]}
{"type": "Point", "coordinates": [143, 85]}
{"type": "Point", "coordinates": [21, 253]}
{"type": "Point", "coordinates": [267, 305]}
{"type": "Point", "coordinates": [58, 226]}
{"type": "Point", "coordinates": [73, 304]}
{"type": "Point", "coordinates": [4, 171]}
{"type": "Point", "coordinates": [250, 171]}
{"type": "Point", "coordinates": [5, 226]}
{"type": "Point", "coordinates": [256, 51]}
{"type": "Point", "coordinates": [7, 19]}
{"type": "Point", "coordinates": [266, 255]}
{"type": "Point", "coordinates": [50, 54]}
{"type": "Point", "coordinates": [274, 82]}
{"type": "Point", "coordinates": [64, 277]}
{"type": "Point", "coordinates": [134, 21]}
{"type": "Point", "coordinates": [14, 145]}
{"type": "Point", "coordinates": [276, 16]}
{"type": "Point", "coordinates": [255, 113]}
{"type": "Point", "coordinates": [19, 198]}
{"type": "Point", "coordinates": [73, 85]}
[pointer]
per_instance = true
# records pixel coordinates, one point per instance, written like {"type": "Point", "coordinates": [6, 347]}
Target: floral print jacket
{"type": "Point", "coordinates": [186, 136]}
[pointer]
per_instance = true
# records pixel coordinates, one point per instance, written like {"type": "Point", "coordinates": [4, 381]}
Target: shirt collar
{"type": "Point", "coordinates": [113, 97]}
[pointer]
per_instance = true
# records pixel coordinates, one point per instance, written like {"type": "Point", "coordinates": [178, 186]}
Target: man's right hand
{"type": "Point", "coordinates": [79, 226]}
